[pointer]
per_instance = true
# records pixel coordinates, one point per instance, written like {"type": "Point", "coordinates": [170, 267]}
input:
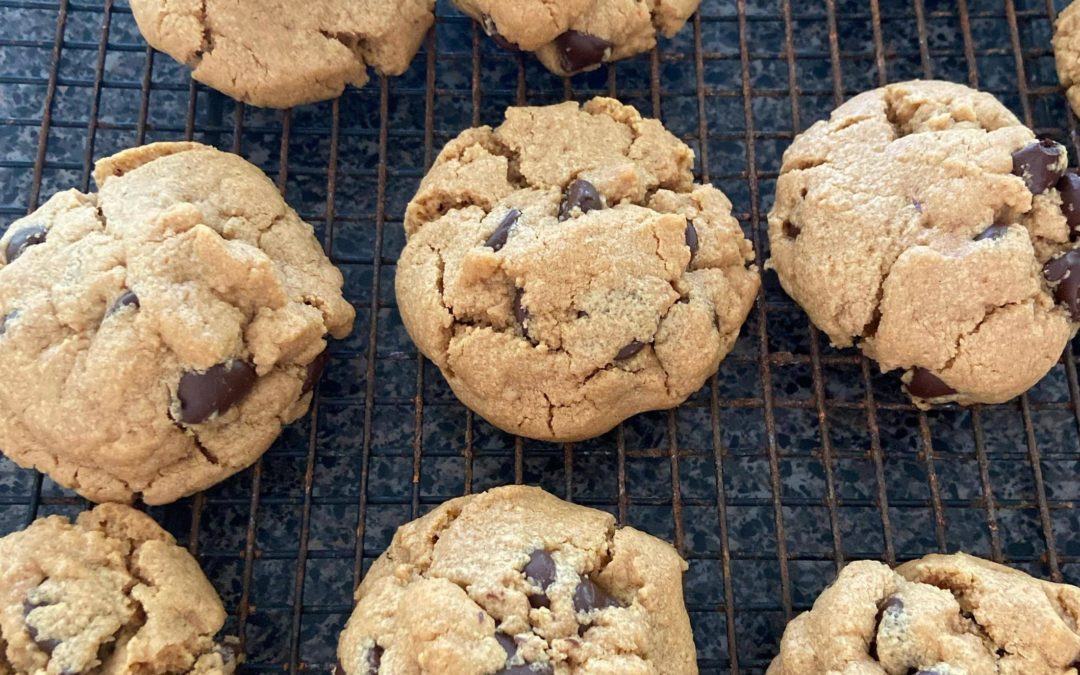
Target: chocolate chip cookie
{"type": "Point", "coordinates": [515, 580]}
{"type": "Point", "coordinates": [281, 54]}
{"type": "Point", "coordinates": [565, 272]}
{"type": "Point", "coordinates": [941, 615]}
{"type": "Point", "coordinates": [1067, 52]}
{"type": "Point", "coordinates": [924, 223]}
{"type": "Point", "coordinates": [573, 36]}
{"type": "Point", "coordinates": [158, 334]}
{"type": "Point", "coordinates": [109, 593]}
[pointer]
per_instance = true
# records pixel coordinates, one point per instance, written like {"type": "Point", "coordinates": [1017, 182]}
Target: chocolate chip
{"type": "Point", "coordinates": [339, 669]}
{"type": "Point", "coordinates": [580, 194]}
{"type": "Point", "coordinates": [1040, 164]}
{"type": "Point", "coordinates": [374, 659]}
{"type": "Point", "coordinates": [629, 350]}
{"type": "Point", "coordinates": [22, 240]}
{"type": "Point", "coordinates": [521, 314]}
{"type": "Point", "coordinates": [1069, 187]}
{"type": "Point", "coordinates": [541, 569]}
{"type": "Point", "coordinates": [791, 230]}
{"type": "Point", "coordinates": [128, 299]}
{"type": "Point", "coordinates": [925, 384]}
{"type": "Point", "coordinates": [692, 239]}
{"type": "Point", "coordinates": [214, 391]}
{"type": "Point", "coordinates": [1065, 272]}
{"type": "Point", "coordinates": [578, 51]}
{"type": "Point", "coordinates": [588, 596]}
{"type": "Point", "coordinates": [8, 318]}
{"type": "Point", "coordinates": [489, 27]}
{"type": "Point", "coordinates": [992, 232]}
{"type": "Point", "coordinates": [314, 371]}
{"type": "Point", "coordinates": [892, 603]}
{"type": "Point", "coordinates": [46, 645]}
{"type": "Point", "coordinates": [498, 238]}
{"type": "Point", "coordinates": [508, 644]}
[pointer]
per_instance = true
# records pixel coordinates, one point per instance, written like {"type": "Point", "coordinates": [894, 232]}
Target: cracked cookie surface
{"type": "Point", "coordinates": [564, 271]}
{"type": "Point", "coordinates": [157, 335]}
{"type": "Point", "coordinates": [940, 615]}
{"type": "Point", "coordinates": [281, 53]}
{"type": "Point", "coordinates": [924, 223]}
{"type": "Point", "coordinates": [1067, 52]}
{"type": "Point", "coordinates": [109, 593]}
{"type": "Point", "coordinates": [572, 36]}
{"type": "Point", "coordinates": [515, 580]}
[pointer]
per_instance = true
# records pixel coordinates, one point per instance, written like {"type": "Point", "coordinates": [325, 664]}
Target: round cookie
{"type": "Point", "coordinates": [925, 224]}
{"type": "Point", "coordinates": [158, 334]}
{"type": "Point", "coordinates": [281, 53]}
{"type": "Point", "coordinates": [941, 615]}
{"type": "Point", "coordinates": [573, 36]}
{"type": "Point", "coordinates": [516, 581]}
{"type": "Point", "coordinates": [109, 593]}
{"type": "Point", "coordinates": [564, 271]}
{"type": "Point", "coordinates": [1067, 52]}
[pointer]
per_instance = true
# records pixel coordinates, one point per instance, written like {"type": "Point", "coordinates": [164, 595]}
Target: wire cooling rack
{"type": "Point", "coordinates": [794, 459]}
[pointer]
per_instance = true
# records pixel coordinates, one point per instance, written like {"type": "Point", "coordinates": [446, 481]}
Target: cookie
{"type": "Point", "coordinates": [1067, 52]}
{"type": "Point", "coordinates": [564, 271]}
{"type": "Point", "coordinates": [158, 334]}
{"type": "Point", "coordinates": [109, 593]}
{"type": "Point", "coordinates": [925, 224]}
{"type": "Point", "coordinates": [573, 36]}
{"type": "Point", "coordinates": [281, 54]}
{"type": "Point", "coordinates": [941, 615]}
{"type": "Point", "coordinates": [514, 580]}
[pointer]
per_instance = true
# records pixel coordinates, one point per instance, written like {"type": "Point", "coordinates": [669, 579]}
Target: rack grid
{"type": "Point", "coordinates": [792, 460]}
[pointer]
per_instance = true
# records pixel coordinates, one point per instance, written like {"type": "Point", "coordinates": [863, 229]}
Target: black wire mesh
{"type": "Point", "coordinates": [794, 459]}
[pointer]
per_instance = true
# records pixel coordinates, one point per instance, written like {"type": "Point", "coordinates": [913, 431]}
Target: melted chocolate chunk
{"type": "Point", "coordinates": [1065, 272]}
{"type": "Point", "coordinates": [521, 314]}
{"type": "Point", "coordinates": [692, 239]}
{"type": "Point", "coordinates": [127, 299]}
{"type": "Point", "coordinates": [46, 645]}
{"type": "Point", "coordinates": [588, 596]}
{"type": "Point", "coordinates": [489, 27]}
{"type": "Point", "coordinates": [629, 350]}
{"type": "Point", "coordinates": [578, 51]}
{"type": "Point", "coordinates": [315, 370]}
{"type": "Point", "coordinates": [925, 384]}
{"type": "Point", "coordinates": [22, 240]}
{"type": "Point", "coordinates": [580, 194]}
{"type": "Point", "coordinates": [992, 232]}
{"type": "Point", "coordinates": [541, 571]}
{"type": "Point", "coordinates": [509, 645]}
{"type": "Point", "coordinates": [214, 391]}
{"type": "Point", "coordinates": [1069, 187]}
{"type": "Point", "coordinates": [374, 660]}
{"type": "Point", "coordinates": [8, 318]}
{"type": "Point", "coordinates": [339, 669]}
{"type": "Point", "coordinates": [498, 238]}
{"type": "Point", "coordinates": [1040, 164]}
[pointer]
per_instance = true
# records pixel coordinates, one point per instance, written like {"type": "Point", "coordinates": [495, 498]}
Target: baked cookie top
{"type": "Point", "coordinates": [515, 580]}
{"type": "Point", "coordinates": [565, 273]}
{"type": "Point", "coordinates": [109, 593]}
{"type": "Point", "coordinates": [925, 224]}
{"type": "Point", "coordinates": [1067, 52]}
{"type": "Point", "coordinates": [941, 615]}
{"type": "Point", "coordinates": [572, 36]}
{"type": "Point", "coordinates": [156, 335]}
{"type": "Point", "coordinates": [281, 53]}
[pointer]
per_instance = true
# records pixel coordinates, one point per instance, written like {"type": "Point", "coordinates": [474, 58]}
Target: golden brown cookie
{"type": "Point", "coordinates": [924, 223]}
{"type": "Point", "coordinates": [281, 53]}
{"type": "Point", "coordinates": [514, 580]}
{"type": "Point", "coordinates": [158, 334]}
{"type": "Point", "coordinates": [1067, 52]}
{"type": "Point", "coordinates": [111, 593]}
{"type": "Point", "coordinates": [573, 36]}
{"type": "Point", "coordinates": [565, 272]}
{"type": "Point", "coordinates": [941, 615]}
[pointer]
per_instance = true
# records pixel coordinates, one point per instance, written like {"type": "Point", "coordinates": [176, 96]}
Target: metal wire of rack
{"type": "Point", "coordinates": [794, 459]}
